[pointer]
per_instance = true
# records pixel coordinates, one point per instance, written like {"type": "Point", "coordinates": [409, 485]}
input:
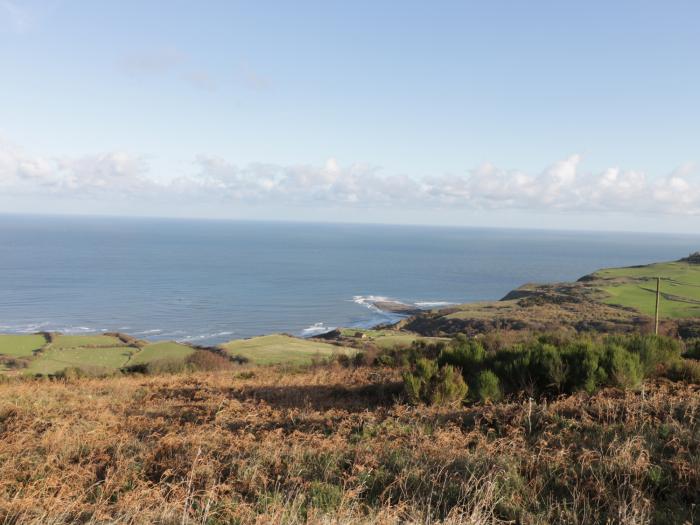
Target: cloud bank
{"type": "Point", "coordinates": [563, 186]}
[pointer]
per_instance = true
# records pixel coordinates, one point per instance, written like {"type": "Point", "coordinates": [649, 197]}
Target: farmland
{"type": "Point", "coordinates": [635, 287]}
{"type": "Point", "coordinates": [103, 359]}
{"type": "Point", "coordinates": [279, 348]}
{"type": "Point", "coordinates": [20, 345]}
{"type": "Point", "coordinates": [381, 338]}
{"type": "Point", "coordinates": [102, 354]}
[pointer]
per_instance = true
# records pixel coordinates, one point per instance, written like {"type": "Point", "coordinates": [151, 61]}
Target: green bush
{"type": "Point", "coordinates": [548, 367]}
{"type": "Point", "coordinates": [692, 349]}
{"type": "Point", "coordinates": [535, 368]}
{"type": "Point", "coordinates": [622, 368]}
{"type": "Point", "coordinates": [550, 364]}
{"type": "Point", "coordinates": [654, 351]}
{"type": "Point", "coordinates": [465, 354]}
{"type": "Point", "coordinates": [583, 364]}
{"type": "Point", "coordinates": [449, 387]}
{"type": "Point", "coordinates": [417, 382]}
{"type": "Point", "coordinates": [386, 359]}
{"type": "Point", "coordinates": [427, 383]}
{"type": "Point", "coordinates": [487, 386]}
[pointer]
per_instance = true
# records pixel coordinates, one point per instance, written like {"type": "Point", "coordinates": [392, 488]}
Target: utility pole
{"type": "Point", "coordinates": [656, 311]}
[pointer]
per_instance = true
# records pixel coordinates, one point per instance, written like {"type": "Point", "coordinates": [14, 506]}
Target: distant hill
{"type": "Point", "coordinates": [608, 300]}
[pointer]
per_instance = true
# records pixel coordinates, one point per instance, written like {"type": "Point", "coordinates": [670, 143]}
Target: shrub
{"type": "Point", "coordinates": [487, 386]}
{"type": "Point", "coordinates": [385, 359]}
{"type": "Point", "coordinates": [417, 383]}
{"type": "Point", "coordinates": [465, 354]}
{"type": "Point", "coordinates": [622, 368]}
{"type": "Point", "coordinates": [71, 373]}
{"type": "Point", "coordinates": [547, 367]}
{"type": "Point", "coordinates": [206, 360]}
{"type": "Point", "coordinates": [685, 370]}
{"type": "Point", "coordinates": [429, 384]}
{"type": "Point", "coordinates": [13, 362]}
{"type": "Point", "coordinates": [692, 349]}
{"type": "Point", "coordinates": [512, 365]}
{"type": "Point", "coordinates": [583, 364]}
{"type": "Point", "coordinates": [449, 387]}
{"type": "Point", "coordinates": [653, 350]}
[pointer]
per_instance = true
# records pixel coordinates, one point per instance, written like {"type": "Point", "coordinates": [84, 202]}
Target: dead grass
{"type": "Point", "coordinates": [334, 445]}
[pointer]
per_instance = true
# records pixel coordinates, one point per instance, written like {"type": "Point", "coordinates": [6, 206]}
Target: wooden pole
{"type": "Point", "coordinates": [656, 311]}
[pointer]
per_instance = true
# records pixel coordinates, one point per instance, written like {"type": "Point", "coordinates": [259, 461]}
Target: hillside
{"type": "Point", "coordinates": [608, 300]}
{"type": "Point", "coordinates": [335, 445]}
{"type": "Point", "coordinates": [635, 287]}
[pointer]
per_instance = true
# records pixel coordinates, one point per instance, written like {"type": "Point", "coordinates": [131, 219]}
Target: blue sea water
{"type": "Point", "coordinates": [210, 281]}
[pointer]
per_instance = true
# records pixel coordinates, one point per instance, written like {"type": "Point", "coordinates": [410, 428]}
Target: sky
{"type": "Point", "coordinates": [539, 114]}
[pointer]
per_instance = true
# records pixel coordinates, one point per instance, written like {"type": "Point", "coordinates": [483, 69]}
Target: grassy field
{"type": "Point", "coordinates": [92, 353]}
{"type": "Point", "coordinates": [104, 353]}
{"type": "Point", "coordinates": [335, 445]}
{"type": "Point", "coordinates": [72, 341]}
{"type": "Point", "coordinates": [386, 339]}
{"type": "Point", "coordinates": [56, 359]}
{"type": "Point", "coordinates": [20, 345]}
{"type": "Point", "coordinates": [274, 349]}
{"type": "Point", "coordinates": [635, 287]}
{"type": "Point", "coordinates": [162, 350]}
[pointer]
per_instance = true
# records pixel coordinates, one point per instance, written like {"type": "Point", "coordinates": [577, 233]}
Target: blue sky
{"type": "Point", "coordinates": [534, 114]}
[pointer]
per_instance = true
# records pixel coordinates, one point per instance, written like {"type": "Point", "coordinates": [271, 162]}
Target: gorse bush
{"type": "Point", "coordinates": [466, 354]}
{"type": "Point", "coordinates": [429, 383]}
{"type": "Point", "coordinates": [449, 387]}
{"type": "Point", "coordinates": [622, 368]}
{"type": "Point", "coordinates": [654, 352]}
{"type": "Point", "coordinates": [548, 366]}
{"type": "Point", "coordinates": [487, 387]}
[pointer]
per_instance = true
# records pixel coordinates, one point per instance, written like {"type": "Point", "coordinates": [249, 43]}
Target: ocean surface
{"type": "Point", "coordinates": [211, 281]}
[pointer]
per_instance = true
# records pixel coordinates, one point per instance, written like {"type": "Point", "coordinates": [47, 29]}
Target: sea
{"type": "Point", "coordinates": [208, 281]}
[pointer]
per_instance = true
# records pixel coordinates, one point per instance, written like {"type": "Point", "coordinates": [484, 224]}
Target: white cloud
{"type": "Point", "coordinates": [563, 186]}
{"type": "Point", "coordinates": [117, 172]}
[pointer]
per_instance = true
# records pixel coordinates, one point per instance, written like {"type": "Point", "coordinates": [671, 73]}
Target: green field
{"type": "Point", "coordinates": [386, 339]}
{"type": "Point", "coordinates": [92, 353]}
{"type": "Point", "coordinates": [276, 349]}
{"type": "Point", "coordinates": [20, 345]}
{"type": "Point", "coordinates": [56, 359]}
{"type": "Point", "coordinates": [163, 350]}
{"type": "Point", "coordinates": [72, 341]}
{"type": "Point", "coordinates": [635, 287]}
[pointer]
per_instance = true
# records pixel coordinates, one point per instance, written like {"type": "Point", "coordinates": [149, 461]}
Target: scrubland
{"type": "Point", "coordinates": [333, 444]}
